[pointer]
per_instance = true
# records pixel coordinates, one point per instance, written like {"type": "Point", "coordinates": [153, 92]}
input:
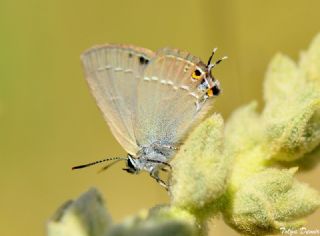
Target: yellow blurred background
{"type": "Point", "coordinates": [49, 121]}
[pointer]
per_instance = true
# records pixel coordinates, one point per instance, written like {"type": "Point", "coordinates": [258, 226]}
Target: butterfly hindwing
{"type": "Point", "coordinates": [167, 98]}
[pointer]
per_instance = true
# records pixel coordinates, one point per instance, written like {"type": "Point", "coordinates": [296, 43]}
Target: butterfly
{"type": "Point", "coordinates": [150, 100]}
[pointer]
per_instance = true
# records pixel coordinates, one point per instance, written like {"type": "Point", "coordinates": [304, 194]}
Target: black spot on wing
{"type": "Point", "coordinates": [143, 60]}
{"type": "Point", "coordinates": [197, 72]}
{"type": "Point", "coordinates": [216, 90]}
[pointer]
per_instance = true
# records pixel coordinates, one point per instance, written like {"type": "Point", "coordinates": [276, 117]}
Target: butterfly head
{"type": "Point", "coordinates": [132, 165]}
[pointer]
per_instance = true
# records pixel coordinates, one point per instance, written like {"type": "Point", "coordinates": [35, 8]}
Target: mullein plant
{"type": "Point", "coordinates": [243, 170]}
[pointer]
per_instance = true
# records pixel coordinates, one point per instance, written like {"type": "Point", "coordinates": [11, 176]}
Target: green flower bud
{"type": "Point", "coordinates": [269, 200]}
{"type": "Point", "coordinates": [292, 112]}
{"type": "Point", "coordinates": [85, 216]}
{"type": "Point", "coordinates": [200, 168]}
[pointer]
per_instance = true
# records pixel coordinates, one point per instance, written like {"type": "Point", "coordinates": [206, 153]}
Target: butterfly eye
{"type": "Point", "coordinates": [196, 75]}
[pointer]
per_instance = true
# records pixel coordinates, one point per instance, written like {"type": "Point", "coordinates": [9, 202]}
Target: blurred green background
{"type": "Point", "coordinates": [49, 121]}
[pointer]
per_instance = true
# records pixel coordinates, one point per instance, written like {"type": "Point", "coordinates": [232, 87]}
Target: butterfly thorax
{"type": "Point", "coordinates": [151, 158]}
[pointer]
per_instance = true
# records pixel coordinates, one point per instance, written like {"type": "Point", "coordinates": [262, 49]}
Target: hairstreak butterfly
{"type": "Point", "coordinates": [150, 100]}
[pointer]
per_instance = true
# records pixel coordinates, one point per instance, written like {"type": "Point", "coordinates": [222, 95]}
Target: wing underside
{"type": "Point", "coordinates": [145, 97]}
{"type": "Point", "coordinates": [168, 97]}
{"type": "Point", "coordinates": [113, 72]}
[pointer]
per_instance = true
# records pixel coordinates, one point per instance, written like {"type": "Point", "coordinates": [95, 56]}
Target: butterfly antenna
{"type": "Point", "coordinates": [211, 66]}
{"type": "Point", "coordinates": [212, 54]}
{"type": "Point", "coordinates": [98, 162]}
{"type": "Point", "coordinates": [111, 164]}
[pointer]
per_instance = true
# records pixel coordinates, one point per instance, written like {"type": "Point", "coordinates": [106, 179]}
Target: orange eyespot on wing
{"type": "Point", "coordinates": [214, 91]}
{"type": "Point", "coordinates": [210, 93]}
{"type": "Point", "coordinates": [197, 74]}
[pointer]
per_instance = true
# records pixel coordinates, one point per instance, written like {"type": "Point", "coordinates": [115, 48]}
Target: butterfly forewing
{"type": "Point", "coordinates": [113, 73]}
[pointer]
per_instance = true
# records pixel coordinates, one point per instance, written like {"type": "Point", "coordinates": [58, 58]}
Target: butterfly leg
{"type": "Point", "coordinates": [170, 147]}
{"type": "Point", "coordinates": [160, 146]}
{"type": "Point", "coordinates": [154, 174]}
{"type": "Point", "coordinates": [160, 162]}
